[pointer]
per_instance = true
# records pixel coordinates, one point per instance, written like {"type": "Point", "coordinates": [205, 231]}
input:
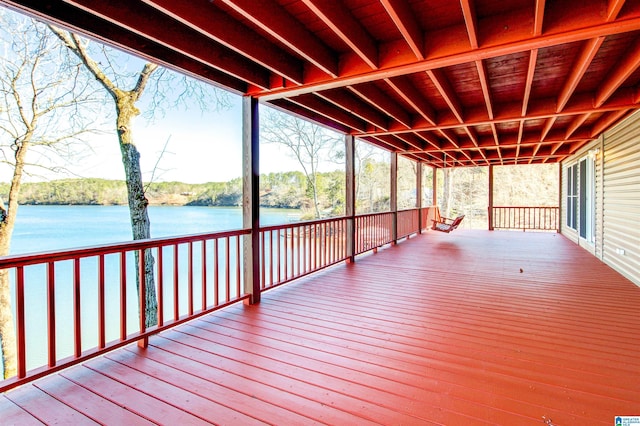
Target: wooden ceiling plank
{"type": "Point", "coordinates": [486, 91]}
{"type": "Point", "coordinates": [412, 139]}
{"type": "Point", "coordinates": [345, 26]}
{"type": "Point", "coordinates": [505, 44]}
{"type": "Point", "coordinates": [587, 53]}
{"type": "Point", "coordinates": [621, 71]}
{"type": "Point", "coordinates": [533, 58]}
{"type": "Point", "coordinates": [150, 23]}
{"type": "Point", "coordinates": [410, 94]}
{"type": "Point", "coordinates": [220, 27]}
{"type": "Point", "coordinates": [446, 91]}
{"type": "Point", "coordinates": [277, 22]}
{"type": "Point", "coordinates": [404, 19]}
{"type": "Point", "coordinates": [370, 93]}
{"type": "Point", "coordinates": [470, 21]}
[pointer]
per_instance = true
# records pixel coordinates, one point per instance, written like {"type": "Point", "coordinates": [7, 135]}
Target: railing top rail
{"type": "Point", "coordinates": [301, 223]}
{"type": "Point", "coordinates": [25, 259]}
{"type": "Point", "coordinates": [525, 207]}
{"type": "Point", "coordinates": [373, 214]}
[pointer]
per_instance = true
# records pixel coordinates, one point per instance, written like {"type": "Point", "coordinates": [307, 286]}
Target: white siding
{"type": "Point", "coordinates": [617, 198]}
{"type": "Point", "coordinates": [621, 202]}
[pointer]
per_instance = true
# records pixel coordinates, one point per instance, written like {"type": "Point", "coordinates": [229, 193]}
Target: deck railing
{"type": "Point", "coordinates": [524, 218]}
{"type": "Point", "coordinates": [71, 305]}
{"type": "Point", "coordinates": [291, 251]}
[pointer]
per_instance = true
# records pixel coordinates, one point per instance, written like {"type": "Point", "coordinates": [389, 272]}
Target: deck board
{"type": "Point", "coordinates": [466, 328]}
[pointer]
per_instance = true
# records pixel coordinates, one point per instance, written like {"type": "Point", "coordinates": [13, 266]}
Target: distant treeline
{"type": "Point", "coordinates": [283, 190]}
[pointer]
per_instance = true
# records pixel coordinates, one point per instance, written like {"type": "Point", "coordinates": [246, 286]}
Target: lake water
{"type": "Point", "coordinates": [43, 228]}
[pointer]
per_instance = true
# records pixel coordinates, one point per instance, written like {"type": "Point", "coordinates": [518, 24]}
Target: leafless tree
{"type": "Point", "coordinates": [306, 142]}
{"type": "Point", "coordinates": [166, 89]}
{"type": "Point", "coordinates": [47, 111]}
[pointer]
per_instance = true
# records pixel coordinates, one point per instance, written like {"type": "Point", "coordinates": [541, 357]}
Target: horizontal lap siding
{"type": "Point", "coordinates": [621, 203]}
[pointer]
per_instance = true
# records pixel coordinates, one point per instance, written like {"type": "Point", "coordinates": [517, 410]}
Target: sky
{"type": "Point", "coordinates": [200, 146]}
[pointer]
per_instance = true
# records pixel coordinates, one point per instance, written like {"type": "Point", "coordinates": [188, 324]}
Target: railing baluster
{"type": "Point", "coordinates": [190, 277]}
{"type": "Point", "coordinates": [227, 269]}
{"type": "Point", "coordinates": [77, 310]}
{"type": "Point", "coordinates": [142, 295]}
{"type": "Point", "coordinates": [102, 325]}
{"type": "Point", "coordinates": [51, 314]}
{"type": "Point", "coordinates": [160, 286]}
{"type": "Point", "coordinates": [176, 289]}
{"type": "Point", "coordinates": [238, 262]}
{"type": "Point", "coordinates": [21, 350]}
{"type": "Point", "coordinates": [203, 256]}
{"type": "Point", "coordinates": [216, 278]}
{"type": "Point", "coordinates": [123, 295]}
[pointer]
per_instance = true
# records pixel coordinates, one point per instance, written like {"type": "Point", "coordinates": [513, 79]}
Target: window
{"type": "Point", "coordinates": [572, 197]}
{"type": "Point", "coordinates": [587, 198]}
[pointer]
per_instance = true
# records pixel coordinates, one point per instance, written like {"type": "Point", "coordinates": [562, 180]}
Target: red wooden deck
{"type": "Point", "coordinates": [465, 328]}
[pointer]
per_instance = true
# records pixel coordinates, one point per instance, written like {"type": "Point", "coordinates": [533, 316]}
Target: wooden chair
{"type": "Point", "coordinates": [444, 224]}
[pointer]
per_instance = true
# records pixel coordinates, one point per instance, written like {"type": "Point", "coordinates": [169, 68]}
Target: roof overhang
{"type": "Point", "coordinates": [467, 83]}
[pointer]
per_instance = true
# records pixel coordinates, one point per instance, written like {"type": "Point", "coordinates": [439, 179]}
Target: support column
{"type": "Point", "coordinates": [251, 196]}
{"type": "Point", "coordinates": [561, 215]}
{"type": "Point", "coordinates": [393, 200]}
{"type": "Point", "coordinates": [419, 195]}
{"type": "Point", "coordinates": [434, 189]}
{"type": "Point", "coordinates": [350, 196]}
{"type": "Point", "coordinates": [490, 210]}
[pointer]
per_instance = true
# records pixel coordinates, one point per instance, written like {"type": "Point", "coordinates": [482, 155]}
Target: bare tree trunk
{"type": "Point", "coordinates": [7, 223]}
{"type": "Point", "coordinates": [138, 203]}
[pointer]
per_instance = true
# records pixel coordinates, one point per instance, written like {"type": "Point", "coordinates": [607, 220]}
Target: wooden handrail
{"type": "Point", "coordinates": [194, 275]}
{"type": "Point", "coordinates": [539, 218]}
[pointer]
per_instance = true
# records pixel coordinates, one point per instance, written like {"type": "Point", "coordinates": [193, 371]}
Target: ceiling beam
{"type": "Point", "coordinates": [622, 70]}
{"type": "Point", "coordinates": [345, 26]}
{"type": "Point", "coordinates": [508, 42]}
{"type": "Point", "coordinates": [410, 94]}
{"type": "Point", "coordinates": [605, 121]}
{"type": "Point", "coordinates": [370, 93]}
{"type": "Point", "coordinates": [404, 19]}
{"type": "Point", "coordinates": [613, 9]}
{"type": "Point", "coordinates": [548, 124]}
{"type": "Point", "coordinates": [575, 124]}
{"type": "Point", "coordinates": [533, 57]}
{"type": "Point", "coordinates": [150, 23]}
{"type": "Point", "coordinates": [484, 84]}
{"type": "Point", "coordinates": [228, 32]}
{"type": "Point", "coordinates": [585, 57]}
{"type": "Point", "coordinates": [545, 110]}
{"type": "Point", "coordinates": [538, 18]}
{"type": "Point", "coordinates": [470, 21]}
{"type": "Point", "coordinates": [327, 109]}
{"type": "Point", "coordinates": [446, 91]}
{"type": "Point", "coordinates": [356, 106]}
{"type": "Point", "coordinates": [278, 23]}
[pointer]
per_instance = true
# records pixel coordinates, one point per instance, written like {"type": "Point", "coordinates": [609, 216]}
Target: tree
{"type": "Point", "coordinates": [163, 84]}
{"type": "Point", "coordinates": [45, 108]}
{"type": "Point", "coordinates": [306, 142]}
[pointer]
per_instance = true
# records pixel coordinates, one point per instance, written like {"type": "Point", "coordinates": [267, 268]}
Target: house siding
{"type": "Point", "coordinates": [617, 198]}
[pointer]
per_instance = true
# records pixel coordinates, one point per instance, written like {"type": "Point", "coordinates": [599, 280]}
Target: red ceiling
{"type": "Point", "coordinates": [448, 83]}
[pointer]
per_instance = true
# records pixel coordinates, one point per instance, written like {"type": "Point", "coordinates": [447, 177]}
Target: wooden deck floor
{"type": "Point", "coordinates": [468, 328]}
